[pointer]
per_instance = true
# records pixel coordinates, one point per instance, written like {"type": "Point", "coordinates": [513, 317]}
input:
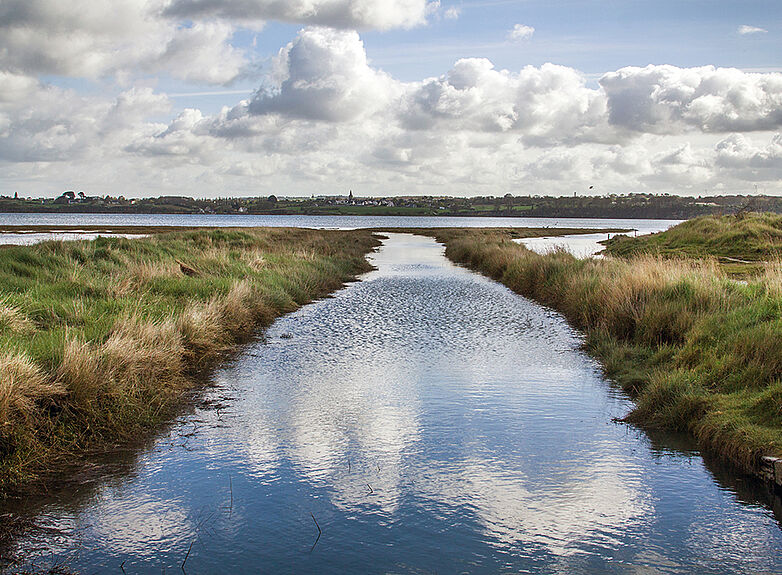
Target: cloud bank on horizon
{"type": "Point", "coordinates": [87, 101]}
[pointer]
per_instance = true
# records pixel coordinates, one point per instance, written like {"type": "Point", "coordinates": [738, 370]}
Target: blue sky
{"type": "Point", "coordinates": [591, 36]}
{"type": "Point", "coordinates": [237, 97]}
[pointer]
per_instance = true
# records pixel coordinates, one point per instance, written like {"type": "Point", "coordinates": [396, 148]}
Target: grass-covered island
{"type": "Point", "coordinates": [698, 350]}
{"type": "Point", "coordinates": [100, 339]}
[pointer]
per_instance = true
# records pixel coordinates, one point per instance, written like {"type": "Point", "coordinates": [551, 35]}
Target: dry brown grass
{"type": "Point", "coordinates": [637, 296]}
{"type": "Point", "coordinates": [23, 386]}
{"type": "Point", "coordinates": [13, 319]}
{"type": "Point", "coordinates": [140, 353]}
{"type": "Point", "coordinates": [137, 276]}
{"type": "Point", "coordinates": [140, 357]}
{"type": "Point", "coordinates": [208, 329]}
{"type": "Point", "coordinates": [82, 372]}
{"type": "Point", "coordinates": [255, 259]}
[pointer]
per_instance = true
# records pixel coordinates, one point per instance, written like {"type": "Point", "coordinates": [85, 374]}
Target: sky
{"type": "Point", "coordinates": [228, 98]}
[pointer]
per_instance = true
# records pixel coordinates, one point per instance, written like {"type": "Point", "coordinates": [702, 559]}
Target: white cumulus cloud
{"type": "Point", "coordinates": [379, 14]}
{"type": "Point", "coordinates": [325, 76]}
{"type": "Point", "coordinates": [52, 124]}
{"type": "Point", "coordinates": [521, 32]}
{"type": "Point", "coordinates": [95, 38]}
{"type": "Point", "coordinates": [191, 40]}
{"type": "Point", "coordinates": [738, 155]}
{"type": "Point", "coordinates": [667, 99]}
{"type": "Point", "coordinates": [744, 30]}
{"type": "Point", "coordinates": [550, 103]}
{"type": "Point", "coordinates": [202, 53]}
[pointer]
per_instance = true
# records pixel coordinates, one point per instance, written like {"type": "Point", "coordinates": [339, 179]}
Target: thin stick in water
{"type": "Point", "coordinates": [187, 554]}
{"type": "Point", "coordinates": [319, 531]}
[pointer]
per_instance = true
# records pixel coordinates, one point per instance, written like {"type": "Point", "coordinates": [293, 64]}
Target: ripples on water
{"type": "Point", "coordinates": [431, 421]}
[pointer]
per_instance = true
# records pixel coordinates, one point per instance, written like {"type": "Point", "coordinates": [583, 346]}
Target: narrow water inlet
{"type": "Point", "coordinates": [425, 419]}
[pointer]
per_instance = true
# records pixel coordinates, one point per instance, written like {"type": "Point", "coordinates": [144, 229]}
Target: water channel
{"type": "Point", "coordinates": [422, 420]}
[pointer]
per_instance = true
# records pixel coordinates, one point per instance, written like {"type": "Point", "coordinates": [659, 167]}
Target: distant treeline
{"type": "Point", "coordinates": [612, 206]}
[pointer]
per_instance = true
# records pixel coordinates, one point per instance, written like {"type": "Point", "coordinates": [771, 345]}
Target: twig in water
{"type": "Point", "coordinates": [122, 565]}
{"type": "Point", "coordinates": [319, 531]}
{"type": "Point", "coordinates": [188, 554]}
{"type": "Point", "coordinates": [370, 488]}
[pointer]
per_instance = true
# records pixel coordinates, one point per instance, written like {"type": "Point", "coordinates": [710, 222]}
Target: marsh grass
{"type": "Point", "coordinates": [741, 243]}
{"type": "Point", "coordinates": [101, 338]}
{"type": "Point", "coordinates": [697, 350]}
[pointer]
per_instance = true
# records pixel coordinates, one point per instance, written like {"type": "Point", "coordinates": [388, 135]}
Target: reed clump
{"type": "Point", "coordinates": [698, 351]}
{"type": "Point", "coordinates": [101, 338]}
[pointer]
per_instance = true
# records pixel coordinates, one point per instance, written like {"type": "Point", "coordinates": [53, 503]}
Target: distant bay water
{"type": "Point", "coordinates": [643, 226]}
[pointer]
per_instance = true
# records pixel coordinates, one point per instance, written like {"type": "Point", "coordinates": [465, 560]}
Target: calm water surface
{"type": "Point", "coordinates": [584, 245]}
{"type": "Point", "coordinates": [581, 245]}
{"type": "Point", "coordinates": [327, 222]}
{"type": "Point", "coordinates": [431, 421]}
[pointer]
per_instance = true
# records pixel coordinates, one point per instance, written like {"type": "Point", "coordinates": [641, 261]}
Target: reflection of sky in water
{"type": "Point", "coordinates": [431, 421]}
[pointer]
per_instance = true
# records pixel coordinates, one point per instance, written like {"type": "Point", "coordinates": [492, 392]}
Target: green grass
{"type": "Point", "coordinates": [100, 338]}
{"type": "Point", "coordinates": [741, 243]}
{"type": "Point", "coordinates": [697, 350]}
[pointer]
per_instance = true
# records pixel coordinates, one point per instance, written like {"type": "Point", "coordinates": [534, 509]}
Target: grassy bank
{"type": "Point", "coordinates": [504, 233]}
{"type": "Point", "coordinates": [741, 244]}
{"type": "Point", "coordinates": [100, 338]}
{"type": "Point", "coordinates": [698, 351]}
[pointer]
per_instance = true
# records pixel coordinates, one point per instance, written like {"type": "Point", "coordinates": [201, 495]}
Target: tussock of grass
{"type": "Point", "coordinates": [22, 389]}
{"type": "Point", "coordinates": [698, 351]}
{"type": "Point", "coordinates": [14, 320]}
{"type": "Point", "coordinates": [104, 336]}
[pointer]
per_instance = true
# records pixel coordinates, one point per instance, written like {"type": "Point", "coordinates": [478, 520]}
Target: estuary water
{"type": "Point", "coordinates": [317, 222]}
{"type": "Point", "coordinates": [326, 222]}
{"type": "Point", "coordinates": [423, 420]}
